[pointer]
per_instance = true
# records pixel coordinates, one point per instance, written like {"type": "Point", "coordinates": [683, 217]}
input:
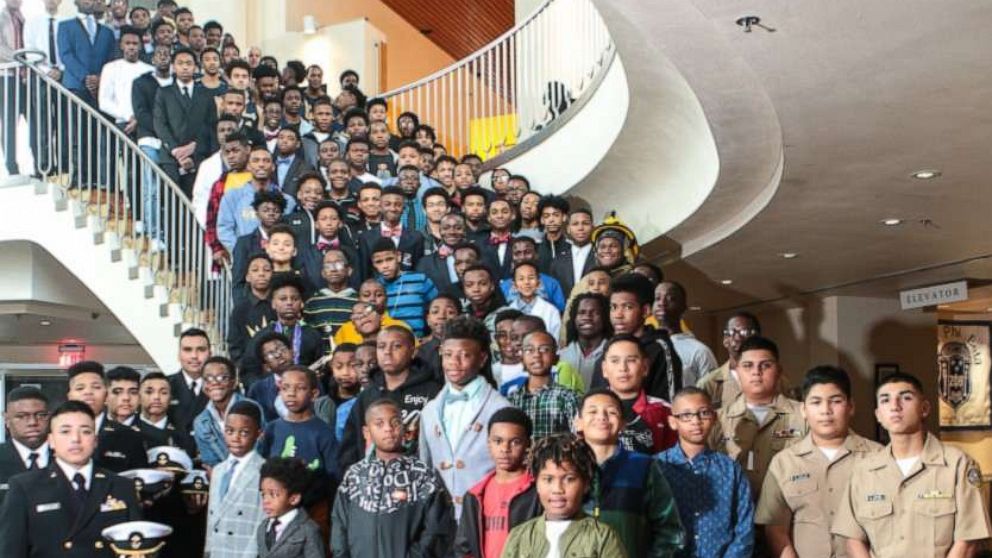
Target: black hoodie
{"type": "Point", "coordinates": [419, 388]}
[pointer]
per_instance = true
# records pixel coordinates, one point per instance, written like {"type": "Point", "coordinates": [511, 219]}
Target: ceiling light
{"type": "Point", "coordinates": [309, 24]}
{"type": "Point", "coordinates": [891, 222]}
{"type": "Point", "coordinates": [789, 255]}
{"type": "Point", "coordinates": [726, 281]}
{"type": "Point", "coordinates": [926, 174]}
{"type": "Point", "coordinates": [45, 322]}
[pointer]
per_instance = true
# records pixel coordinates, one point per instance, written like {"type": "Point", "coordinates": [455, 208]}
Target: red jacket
{"type": "Point", "coordinates": [655, 412]}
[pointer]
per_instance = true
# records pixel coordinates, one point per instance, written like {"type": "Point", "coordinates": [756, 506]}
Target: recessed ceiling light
{"type": "Point", "coordinates": [892, 222]}
{"type": "Point", "coordinates": [726, 281]}
{"type": "Point", "coordinates": [789, 255]}
{"type": "Point", "coordinates": [45, 322]}
{"type": "Point", "coordinates": [926, 174]}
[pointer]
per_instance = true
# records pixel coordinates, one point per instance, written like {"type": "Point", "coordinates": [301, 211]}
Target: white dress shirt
{"type": "Point", "coordinates": [160, 424]}
{"type": "Point", "coordinates": [70, 471]}
{"type": "Point", "coordinates": [284, 520]}
{"type": "Point", "coordinates": [209, 172]}
{"type": "Point", "coordinates": [579, 255]}
{"type": "Point", "coordinates": [116, 81]}
{"type": "Point", "coordinates": [36, 38]}
{"type": "Point", "coordinates": [239, 467]}
{"type": "Point", "coordinates": [189, 383]}
{"type": "Point", "coordinates": [25, 453]}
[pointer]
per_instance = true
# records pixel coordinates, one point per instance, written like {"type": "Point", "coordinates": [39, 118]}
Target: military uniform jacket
{"type": "Point", "coordinates": [10, 465]}
{"type": "Point", "coordinates": [753, 445]}
{"type": "Point", "coordinates": [40, 519]}
{"type": "Point", "coordinates": [119, 447]}
{"type": "Point", "coordinates": [802, 490]}
{"type": "Point", "coordinates": [920, 515]}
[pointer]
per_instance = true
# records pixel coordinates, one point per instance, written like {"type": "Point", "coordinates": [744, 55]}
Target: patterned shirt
{"type": "Point", "coordinates": [714, 501]}
{"type": "Point", "coordinates": [384, 487]}
{"type": "Point", "coordinates": [552, 408]}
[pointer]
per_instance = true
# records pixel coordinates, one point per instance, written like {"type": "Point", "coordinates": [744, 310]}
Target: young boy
{"type": "Point", "coordinates": [305, 342]}
{"type": "Point", "coordinates": [551, 406]}
{"type": "Point", "coordinates": [645, 418]}
{"type": "Point", "coordinates": [365, 363]}
{"type": "Point", "coordinates": [564, 468]}
{"type": "Point", "coordinates": [235, 504]}
{"type": "Point", "coordinates": [722, 523]}
{"type": "Point", "coordinates": [452, 424]}
{"type": "Point", "coordinates": [272, 349]}
{"type": "Point", "coordinates": [407, 292]}
{"type": "Point", "coordinates": [505, 497]}
{"type": "Point", "coordinates": [220, 383]}
{"type": "Point", "coordinates": [510, 363]}
{"type": "Point", "coordinates": [253, 312]}
{"type": "Point", "coordinates": [156, 427]}
{"type": "Point", "coordinates": [330, 307]}
{"type": "Point", "coordinates": [631, 493]}
{"type": "Point", "coordinates": [343, 389]}
{"type": "Point", "coordinates": [916, 497]}
{"type": "Point", "coordinates": [287, 531]}
{"type": "Point", "coordinates": [49, 512]}
{"type": "Point", "coordinates": [794, 507]}
{"type": "Point", "coordinates": [391, 504]}
{"type": "Point", "coordinates": [370, 293]}
{"type": "Point", "coordinates": [123, 397]}
{"type": "Point", "coordinates": [526, 282]}
{"type": "Point", "coordinates": [495, 243]}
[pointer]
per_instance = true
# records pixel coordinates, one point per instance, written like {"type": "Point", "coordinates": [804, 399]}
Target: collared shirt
{"type": "Point", "coordinates": [714, 501]}
{"type": "Point", "coordinates": [579, 255]}
{"type": "Point", "coordinates": [583, 363]}
{"type": "Point", "coordinates": [241, 463]}
{"type": "Point", "coordinates": [721, 384]}
{"type": "Point", "coordinates": [189, 383]}
{"type": "Point", "coordinates": [129, 420]}
{"type": "Point", "coordinates": [160, 424]}
{"type": "Point", "coordinates": [237, 217]}
{"type": "Point", "coordinates": [282, 168]}
{"type": "Point", "coordinates": [99, 421]}
{"type": "Point", "coordinates": [551, 409]}
{"type": "Point", "coordinates": [459, 411]}
{"type": "Point", "coordinates": [284, 520]}
{"type": "Point", "coordinates": [36, 31]}
{"type": "Point", "coordinates": [116, 81]}
{"type": "Point", "coordinates": [25, 453]}
{"type": "Point", "coordinates": [697, 359]}
{"type": "Point", "coordinates": [920, 515]}
{"type": "Point", "coordinates": [70, 471]}
{"type": "Point", "coordinates": [803, 490]}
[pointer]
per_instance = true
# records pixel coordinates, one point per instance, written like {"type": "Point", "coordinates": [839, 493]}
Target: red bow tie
{"type": "Point", "coordinates": [392, 232]}
{"type": "Point", "coordinates": [444, 251]}
{"type": "Point", "coordinates": [324, 246]}
{"type": "Point", "coordinates": [496, 240]}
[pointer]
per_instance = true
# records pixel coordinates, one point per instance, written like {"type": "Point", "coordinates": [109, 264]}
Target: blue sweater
{"type": "Point", "coordinates": [312, 440]}
{"type": "Point", "coordinates": [407, 296]}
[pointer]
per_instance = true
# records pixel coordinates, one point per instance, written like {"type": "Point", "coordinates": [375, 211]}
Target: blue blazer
{"type": "Point", "coordinates": [81, 57]}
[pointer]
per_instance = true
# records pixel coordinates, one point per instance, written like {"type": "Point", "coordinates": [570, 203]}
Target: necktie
{"type": "Point", "coordinates": [79, 483]}
{"type": "Point", "coordinates": [52, 50]}
{"type": "Point", "coordinates": [33, 461]}
{"type": "Point", "coordinates": [91, 27]}
{"type": "Point", "coordinates": [225, 481]}
{"type": "Point", "coordinates": [193, 387]}
{"type": "Point", "coordinates": [270, 535]}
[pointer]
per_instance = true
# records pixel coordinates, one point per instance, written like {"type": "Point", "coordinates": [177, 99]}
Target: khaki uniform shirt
{"type": "Point", "coordinates": [918, 516]}
{"type": "Point", "coordinates": [738, 434]}
{"type": "Point", "coordinates": [802, 490]}
{"type": "Point", "coordinates": [721, 385]}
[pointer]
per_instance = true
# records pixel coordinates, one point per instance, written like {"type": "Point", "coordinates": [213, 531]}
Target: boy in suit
{"type": "Point", "coordinates": [61, 510]}
{"type": "Point", "coordinates": [235, 509]}
{"type": "Point", "coordinates": [26, 418]}
{"type": "Point", "coordinates": [288, 531]}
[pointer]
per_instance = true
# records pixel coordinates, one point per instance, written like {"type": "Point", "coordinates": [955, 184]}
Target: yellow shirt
{"type": "Point", "coordinates": [348, 334]}
{"type": "Point", "coordinates": [236, 180]}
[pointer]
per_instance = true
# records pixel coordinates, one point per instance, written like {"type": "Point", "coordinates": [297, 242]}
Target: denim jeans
{"type": "Point", "coordinates": [151, 184]}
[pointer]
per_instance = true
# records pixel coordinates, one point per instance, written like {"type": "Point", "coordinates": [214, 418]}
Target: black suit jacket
{"type": "Point", "coordinates": [307, 263]}
{"type": "Point", "coordinates": [490, 255]}
{"type": "Point", "coordinates": [548, 252]}
{"type": "Point", "coordinates": [40, 518]}
{"type": "Point", "coordinates": [179, 120]}
{"type": "Point", "coordinates": [296, 168]}
{"type": "Point", "coordinates": [411, 249]}
{"type": "Point", "coordinates": [561, 269]}
{"type": "Point", "coordinates": [312, 347]}
{"type": "Point", "coordinates": [10, 465]}
{"type": "Point", "coordinates": [119, 447]}
{"type": "Point", "coordinates": [435, 267]}
{"type": "Point", "coordinates": [185, 405]}
{"type": "Point", "coordinates": [143, 93]}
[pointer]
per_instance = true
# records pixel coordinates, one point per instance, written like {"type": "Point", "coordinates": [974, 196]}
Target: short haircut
{"type": "Point", "coordinates": [310, 175]}
{"type": "Point", "coordinates": [692, 391]}
{"type": "Point", "coordinates": [259, 256]}
{"type": "Point", "coordinates": [327, 204]}
{"type": "Point", "coordinates": [213, 25]}
{"type": "Point", "coordinates": [383, 244]}
{"type": "Point", "coordinates": [72, 407]}
{"type": "Point", "coordinates": [405, 332]}
{"type": "Point", "coordinates": [298, 69]}
{"type": "Point", "coordinates": [468, 328]}
{"type": "Point", "coordinates": [345, 348]}
{"type": "Point", "coordinates": [154, 376]}
{"type": "Point", "coordinates": [24, 393]}
{"type": "Point", "coordinates": [571, 330]}
{"type": "Point", "coordinates": [355, 112]}
{"type": "Point", "coordinates": [269, 196]}
{"type": "Point", "coordinates": [236, 63]}
{"type": "Point", "coordinates": [312, 381]}
{"type": "Point", "coordinates": [264, 71]}
{"type": "Point", "coordinates": [247, 408]}
{"type": "Point", "coordinates": [623, 338]}
{"type": "Point", "coordinates": [826, 374]}
{"type": "Point", "coordinates": [435, 191]}
{"type": "Point", "coordinates": [510, 314]}
{"type": "Point", "coordinates": [181, 11]}
{"type": "Point", "coordinates": [292, 130]}
{"type": "Point", "coordinates": [356, 141]}
{"type": "Point", "coordinates": [466, 245]}
{"type": "Point", "coordinates": [408, 144]}
{"type": "Point", "coordinates": [560, 449]}
{"type": "Point", "coordinates": [228, 118]}
{"type": "Point", "coordinates": [181, 51]}
{"type": "Point", "coordinates": [376, 101]}
{"type": "Point", "coordinates": [370, 186]}
{"type": "Point", "coordinates": [138, 9]}
{"type": "Point", "coordinates": [266, 338]}
{"type": "Point", "coordinates": [86, 367]}
{"type": "Point", "coordinates": [751, 318]}
{"type": "Point", "coordinates": [238, 136]}
{"type": "Point", "coordinates": [427, 130]}
{"type": "Point", "coordinates": [600, 391]}
{"type": "Point", "coordinates": [520, 239]}
{"type": "Point", "coordinates": [901, 378]}
{"type": "Point", "coordinates": [382, 402]}
{"type": "Point", "coordinates": [584, 211]}
{"type": "Point", "coordinates": [348, 73]}
{"type": "Point", "coordinates": [521, 178]}
{"type": "Point", "coordinates": [759, 343]}
{"type": "Point", "coordinates": [535, 322]}
{"type": "Point", "coordinates": [393, 191]}
{"type": "Point", "coordinates": [159, 22]}
{"type": "Point", "coordinates": [289, 89]}
{"type": "Point", "coordinates": [194, 332]}
{"type": "Point", "coordinates": [227, 363]}
{"type": "Point", "coordinates": [659, 275]}
{"type": "Point", "coordinates": [131, 30]}
{"type": "Point", "coordinates": [291, 473]}
{"type": "Point", "coordinates": [481, 267]}
{"type": "Point", "coordinates": [282, 228]}
{"type": "Point", "coordinates": [512, 415]}
{"type": "Point", "coordinates": [475, 191]}
{"type": "Point", "coordinates": [527, 263]}
{"type": "Point", "coordinates": [472, 156]}
{"type": "Point", "coordinates": [123, 374]}
{"type": "Point", "coordinates": [554, 202]}
{"type": "Point", "coordinates": [635, 284]}
{"type": "Point", "coordinates": [284, 280]}
{"type": "Point", "coordinates": [445, 159]}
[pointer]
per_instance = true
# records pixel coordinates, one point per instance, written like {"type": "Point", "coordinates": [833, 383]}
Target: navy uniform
{"type": "Point", "coordinates": [185, 404]}
{"type": "Point", "coordinates": [12, 464]}
{"type": "Point", "coordinates": [119, 447]}
{"type": "Point", "coordinates": [171, 435]}
{"type": "Point", "coordinates": [42, 517]}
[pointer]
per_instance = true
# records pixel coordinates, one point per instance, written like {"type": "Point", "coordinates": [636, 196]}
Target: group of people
{"type": "Point", "coordinates": [420, 365]}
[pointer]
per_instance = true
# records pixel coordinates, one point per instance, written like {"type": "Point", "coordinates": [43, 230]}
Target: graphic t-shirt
{"type": "Point", "coordinates": [496, 514]}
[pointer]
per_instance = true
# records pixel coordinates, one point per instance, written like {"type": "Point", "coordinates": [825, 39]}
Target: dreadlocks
{"type": "Point", "coordinates": [560, 449]}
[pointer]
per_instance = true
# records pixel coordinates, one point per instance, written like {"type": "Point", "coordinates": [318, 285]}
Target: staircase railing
{"type": "Point", "coordinates": [508, 95]}
{"type": "Point", "coordinates": [97, 164]}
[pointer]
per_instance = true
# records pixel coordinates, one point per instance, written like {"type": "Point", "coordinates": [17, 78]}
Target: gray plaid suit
{"type": "Point", "coordinates": [231, 523]}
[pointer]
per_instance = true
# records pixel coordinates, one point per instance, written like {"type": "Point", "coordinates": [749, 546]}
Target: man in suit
{"type": "Point", "coordinates": [41, 34]}
{"type": "Point", "coordinates": [143, 94]}
{"type": "Point", "coordinates": [188, 399]}
{"type": "Point", "coordinates": [410, 243]}
{"type": "Point", "coordinates": [184, 111]}
{"type": "Point", "coordinates": [289, 160]}
{"type": "Point", "coordinates": [11, 87]}
{"type": "Point", "coordinates": [26, 418]}
{"type": "Point", "coordinates": [61, 510]}
{"type": "Point", "coordinates": [572, 264]}
{"type": "Point", "coordinates": [119, 447]}
{"type": "Point", "coordinates": [495, 243]}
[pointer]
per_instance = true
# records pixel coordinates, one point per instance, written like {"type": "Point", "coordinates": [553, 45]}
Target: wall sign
{"type": "Point", "coordinates": [934, 295]}
{"type": "Point", "coordinates": [963, 369]}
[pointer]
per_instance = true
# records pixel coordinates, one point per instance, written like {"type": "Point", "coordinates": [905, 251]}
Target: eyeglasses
{"type": "Point", "coordinates": [222, 379]}
{"type": "Point", "coordinates": [736, 332]}
{"type": "Point", "coordinates": [542, 350]}
{"type": "Point", "coordinates": [336, 266]}
{"type": "Point", "coordinates": [274, 353]}
{"type": "Point", "coordinates": [702, 415]}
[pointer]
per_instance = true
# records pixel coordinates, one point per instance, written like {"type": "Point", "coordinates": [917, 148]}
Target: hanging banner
{"type": "Point", "coordinates": [963, 369]}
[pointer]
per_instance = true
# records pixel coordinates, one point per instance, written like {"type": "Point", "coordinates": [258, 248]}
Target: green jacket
{"type": "Point", "coordinates": [586, 537]}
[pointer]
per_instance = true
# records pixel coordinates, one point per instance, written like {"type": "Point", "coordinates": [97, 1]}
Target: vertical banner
{"type": "Point", "coordinates": [963, 369]}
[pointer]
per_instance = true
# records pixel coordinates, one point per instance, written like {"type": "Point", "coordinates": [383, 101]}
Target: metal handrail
{"type": "Point", "coordinates": [502, 99]}
{"type": "Point", "coordinates": [96, 163]}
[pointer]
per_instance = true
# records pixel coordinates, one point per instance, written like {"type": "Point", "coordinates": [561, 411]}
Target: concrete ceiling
{"type": "Point", "coordinates": [865, 93]}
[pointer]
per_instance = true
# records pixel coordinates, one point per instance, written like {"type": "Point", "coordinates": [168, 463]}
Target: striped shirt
{"type": "Point", "coordinates": [327, 310]}
{"type": "Point", "coordinates": [407, 297]}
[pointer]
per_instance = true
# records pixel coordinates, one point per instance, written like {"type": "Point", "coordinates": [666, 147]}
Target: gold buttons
{"type": "Point", "coordinates": [98, 545]}
{"type": "Point", "coordinates": [67, 545]}
{"type": "Point", "coordinates": [459, 464]}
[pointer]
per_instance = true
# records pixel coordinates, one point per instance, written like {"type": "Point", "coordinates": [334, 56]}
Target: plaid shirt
{"type": "Point", "coordinates": [552, 408]}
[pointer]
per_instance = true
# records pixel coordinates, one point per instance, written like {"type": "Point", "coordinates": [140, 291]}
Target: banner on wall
{"type": "Point", "coordinates": [963, 369]}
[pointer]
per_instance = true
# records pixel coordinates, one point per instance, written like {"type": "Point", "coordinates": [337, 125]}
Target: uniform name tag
{"type": "Point", "coordinates": [4, 486]}
{"type": "Point", "coordinates": [174, 402]}
{"type": "Point", "coordinates": [934, 495]}
{"type": "Point", "coordinates": [115, 454]}
{"type": "Point", "coordinates": [875, 497]}
{"type": "Point", "coordinates": [785, 433]}
{"type": "Point", "coordinates": [799, 477]}
{"type": "Point", "coordinates": [750, 461]}
{"type": "Point", "coordinates": [42, 508]}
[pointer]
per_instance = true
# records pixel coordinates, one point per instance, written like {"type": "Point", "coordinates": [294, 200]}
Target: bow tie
{"type": "Point", "coordinates": [270, 135]}
{"type": "Point", "coordinates": [496, 240]}
{"type": "Point", "coordinates": [324, 246]}
{"type": "Point", "coordinates": [444, 251]}
{"type": "Point", "coordinates": [452, 397]}
{"type": "Point", "coordinates": [392, 232]}
{"type": "Point", "coordinates": [264, 243]}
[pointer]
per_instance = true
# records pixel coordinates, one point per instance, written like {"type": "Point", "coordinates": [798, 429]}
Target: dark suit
{"type": "Point", "coordinates": [180, 120]}
{"type": "Point", "coordinates": [436, 268]}
{"type": "Point", "coordinates": [548, 252]}
{"type": "Point", "coordinates": [490, 256]}
{"type": "Point", "coordinates": [300, 539]}
{"type": "Point", "coordinates": [41, 518]}
{"type": "Point", "coordinates": [411, 249]}
{"type": "Point", "coordinates": [185, 405]}
{"type": "Point", "coordinates": [307, 263]}
{"type": "Point", "coordinates": [561, 269]}
{"type": "Point", "coordinates": [10, 465]}
{"type": "Point", "coordinates": [119, 447]}
{"type": "Point", "coordinates": [312, 347]}
{"type": "Point", "coordinates": [143, 93]}
{"type": "Point", "coordinates": [296, 168]}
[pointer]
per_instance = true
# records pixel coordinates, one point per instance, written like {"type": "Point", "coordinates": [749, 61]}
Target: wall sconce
{"type": "Point", "coordinates": [70, 353]}
{"type": "Point", "coordinates": [309, 24]}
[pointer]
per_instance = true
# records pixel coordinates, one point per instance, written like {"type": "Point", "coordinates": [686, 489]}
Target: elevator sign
{"type": "Point", "coordinates": [932, 296]}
